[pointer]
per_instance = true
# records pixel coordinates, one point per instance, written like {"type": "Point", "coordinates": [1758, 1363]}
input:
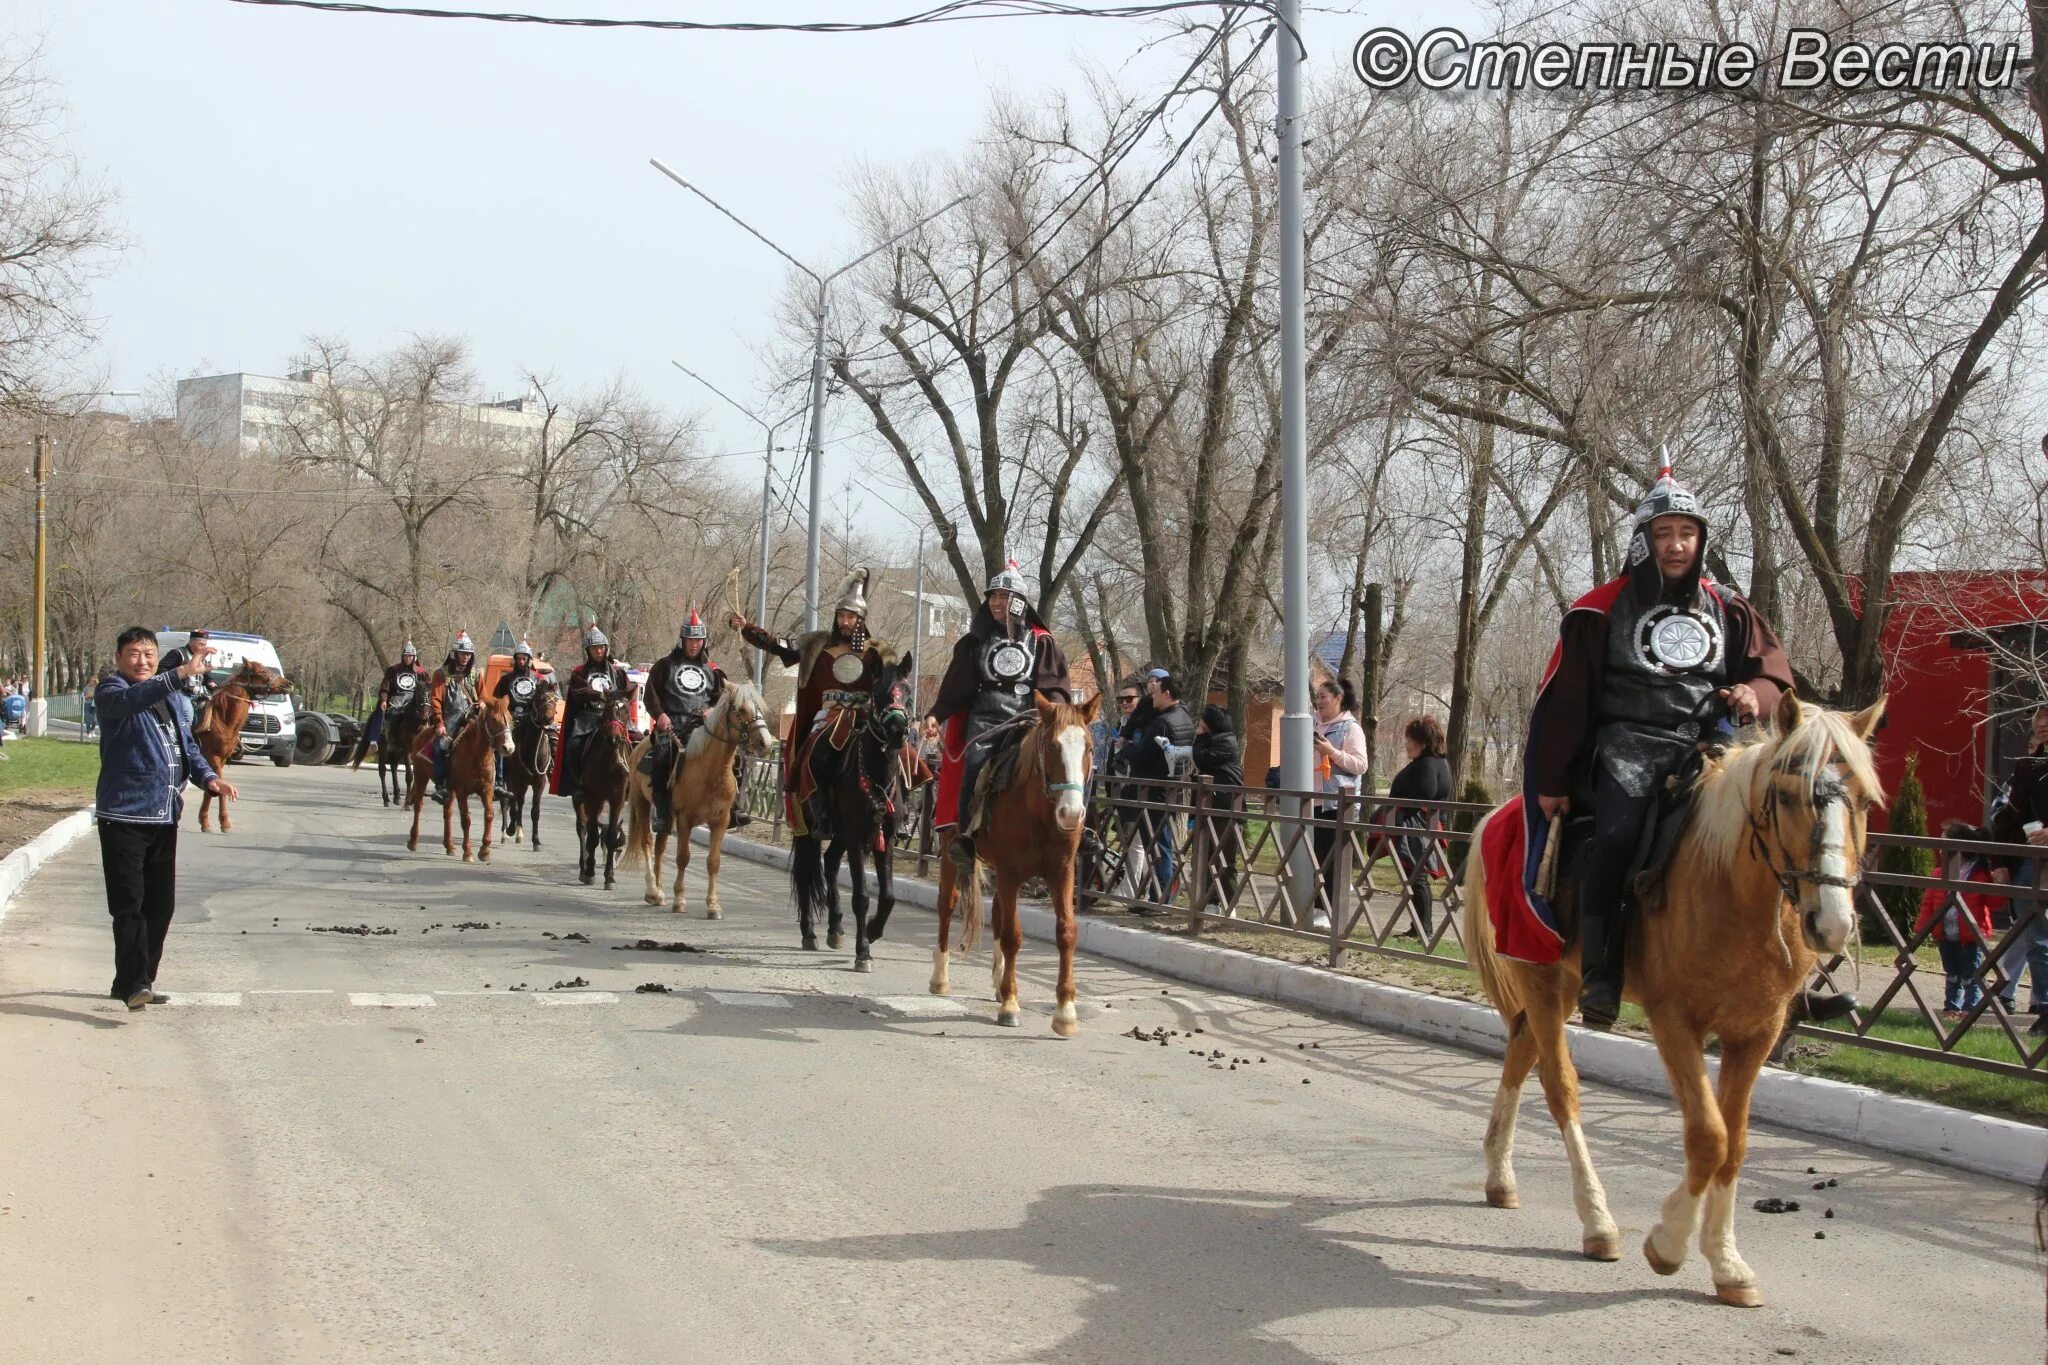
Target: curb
{"type": "Point", "coordinates": [1813, 1105]}
{"type": "Point", "coordinates": [17, 867]}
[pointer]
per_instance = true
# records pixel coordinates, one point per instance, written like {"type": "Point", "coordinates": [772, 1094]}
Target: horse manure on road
{"type": "Point", "coordinates": [573, 983]}
{"type": "Point", "coordinates": [473, 924]}
{"type": "Point", "coordinates": [648, 945]}
{"type": "Point", "coordinates": [360, 930]}
{"type": "Point", "coordinates": [650, 988]}
{"type": "Point", "coordinates": [1773, 1204]}
{"type": "Point", "coordinates": [566, 938]}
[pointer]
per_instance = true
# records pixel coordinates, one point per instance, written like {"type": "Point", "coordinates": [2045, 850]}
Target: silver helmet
{"type": "Point", "coordinates": [1667, 498]}
{"type": "Point", "coordinates": [694, 628]}
{"type": "Point", "coordinates": [594, 637]}
{"type": "Point", "coordinates": [409, 651]}
{"type": "Point", "coordinates": [523, 647]}
{"type": "Point", "coordinates": [1011, 581]}
{"type": "Point", "coordinates": [463, 644]}
{"type": "Point", "coordinates": [854, 596]}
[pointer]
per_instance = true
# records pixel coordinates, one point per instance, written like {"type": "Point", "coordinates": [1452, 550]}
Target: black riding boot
{"type": "Point", "coordinates": [962, 847]}
{"type": "Point", "coordinates": [1603, 942]}
{"type": "Point", "coordinates": [660, 783]}
{"type": "Point", "coordinates": [739, 817]}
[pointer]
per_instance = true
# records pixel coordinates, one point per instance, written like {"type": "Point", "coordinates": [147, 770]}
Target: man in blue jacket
{"type": "Point", "coordinates": [146, 757]}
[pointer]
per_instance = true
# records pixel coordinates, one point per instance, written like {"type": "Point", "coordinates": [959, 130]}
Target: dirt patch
{"type": "Point", "coordinates": [23, 817]}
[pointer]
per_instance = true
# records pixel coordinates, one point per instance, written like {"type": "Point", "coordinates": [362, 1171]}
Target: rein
{"type": "Point", "coordinates": [1828, 789]}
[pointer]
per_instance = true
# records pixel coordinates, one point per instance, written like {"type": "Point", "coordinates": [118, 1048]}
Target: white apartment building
{"type": "Point", "coordinates": [256, 414]}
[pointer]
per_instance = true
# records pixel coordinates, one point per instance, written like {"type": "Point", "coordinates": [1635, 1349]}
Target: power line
{"type": "Point", "coordinates": [955, 11]}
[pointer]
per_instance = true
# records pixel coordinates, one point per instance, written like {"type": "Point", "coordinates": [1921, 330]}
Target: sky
{"type": "Point", "coordinates": [283, 174]}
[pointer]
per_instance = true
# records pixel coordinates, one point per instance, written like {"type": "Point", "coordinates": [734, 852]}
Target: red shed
{"type": "Point", "coordinates": [1959, 692]}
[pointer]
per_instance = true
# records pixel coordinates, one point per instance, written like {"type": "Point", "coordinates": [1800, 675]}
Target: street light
{"type": "Point", "coordinates": [37, 723]}
{"type": "Point", "coordinates": [817, 409]}
{"type": "Point", "coordinates": [768, 430]}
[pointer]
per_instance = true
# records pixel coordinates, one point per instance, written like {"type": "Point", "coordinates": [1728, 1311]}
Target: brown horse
{"type": "Point", "coordinates": [397, 738]}
{"type": "Point", "coordinates": [701, 792]}
{"type": "Point", "coordinates": [472, 766]}
{"type": "Point", "coordinates": [531, 761]}
{"type": "Point", "coordinates": [1034, 830]}
{"type": "Point", "coordinates": [1760, 883]}
{"type": "Point", "coordinates": [603, 776]}
{"type": "Point", "coordinates": [219, 731]}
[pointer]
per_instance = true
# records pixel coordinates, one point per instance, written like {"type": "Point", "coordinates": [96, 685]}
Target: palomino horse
{"type": "Point", "coordinates": [602, 778]}
{"type": "Point", "coordinates": [1033, 830]}
{"type": "Point", "coordinates": [219, 731]}
{"type": "Point", "coordinates": [531, 760]}
{"type": "Point", "coordinates": [1761, 882]}
{"type": "Point", "coordinates": [472, 766]}
{"type": "Point", "coordinates": [701, 792]}
{"type": "Point", "coordinates": [860, 804]}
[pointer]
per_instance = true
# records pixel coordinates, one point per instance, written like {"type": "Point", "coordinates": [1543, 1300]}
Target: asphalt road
{"type": "Point", "coordinates": [350, 1148]}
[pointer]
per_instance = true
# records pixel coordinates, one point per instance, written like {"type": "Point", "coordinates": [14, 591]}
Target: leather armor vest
{"type": "Point", "coordinates": [1663, 661]}
{"type": "Point", "coordinates": [686, 690]}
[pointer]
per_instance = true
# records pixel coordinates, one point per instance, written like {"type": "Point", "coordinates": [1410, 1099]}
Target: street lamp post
{"type": "Point", "coordinates": [768, 430]}
{"type": "Point", "coordinates": [37, 722]}
{"type": "Point", "coordinates": [824, 283]}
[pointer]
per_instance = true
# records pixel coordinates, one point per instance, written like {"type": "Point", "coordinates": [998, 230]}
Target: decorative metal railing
{"type": "Point", "coordinates": [1374, 875]}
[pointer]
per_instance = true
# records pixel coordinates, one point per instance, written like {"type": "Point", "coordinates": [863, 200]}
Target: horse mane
{"type": "Point", "coordinates": [700, 738]}
{"type": "Point", "coordinates": [1822, 739]}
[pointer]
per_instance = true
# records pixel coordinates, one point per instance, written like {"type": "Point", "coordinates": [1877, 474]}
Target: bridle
{"type": "Point", "coordinates": [1828, 789]}
{"type": "Point", "coordinates": [1054, 789]}
{"type": "Point", "coordinates": [718, 719]}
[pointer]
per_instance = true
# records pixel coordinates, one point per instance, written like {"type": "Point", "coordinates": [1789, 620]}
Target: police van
{"type": "Point", "coordinates": [272, 727]}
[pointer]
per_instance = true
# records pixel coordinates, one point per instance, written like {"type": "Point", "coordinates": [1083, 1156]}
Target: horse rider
{"type": "Point", "coordinates": [592, 682]}
{"type": "Point", "coordinates": [198, 687]}
{"type": "Point", "coordinates": [836, 668]}
{"type": "Point", "coordinates": [519, 686]}
{"type": "Point", "coordinates": [684, 685]}
{"type": "Point", "coordinates": [450, 698]}
{"type": "Point", "coordinates": [403, 687]}
{"type": "Point", "coordinates": [1005, 656]}
{"type": "Point", "coordinates": [1623, 707]}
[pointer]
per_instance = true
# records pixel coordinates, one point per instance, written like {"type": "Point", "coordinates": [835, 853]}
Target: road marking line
{"type": "Point", "coordinates": [759, 1000]}
{"type": "Point", "coordinates": [922, 1006]}
{"type": "Point", "coordinates": [578, 998]}
{"type": "Point", "coordinates": [317, 990]}
{"type": "Point", "coordinates": [212, 999]}
{"type": "Point", "coordinates": [389, 999]}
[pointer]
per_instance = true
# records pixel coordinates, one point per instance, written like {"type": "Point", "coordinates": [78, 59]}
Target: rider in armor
{"type": "Point", "coordinates": [1005, 656]}
{"type": "Point", "coordinates": [198, 687]}
{"type": "Point", "coordinates": [402, 688]}
{"type": "Point", "coordinates": [836, 668]}
{"type": "Point", "coordinates": [451, 697]}
{"type": "Point", "coordinates": [1638, 665]}
{"type": "Point", "coordinates": [593, 681]}
{"type": "Point", "coordinates": [520, 686]}
{"type": "Point", "coordinates": [684, 685]}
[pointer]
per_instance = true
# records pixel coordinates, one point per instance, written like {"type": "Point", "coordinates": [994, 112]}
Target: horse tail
{"type": "Point", "coordinates": [807, 873]}
{"type": "Point", "coordinates": [1478, 926]}
{"type": "Point", "coordinates": [355, 762]}
{"type": "Point", "coordinates": [639, 827]}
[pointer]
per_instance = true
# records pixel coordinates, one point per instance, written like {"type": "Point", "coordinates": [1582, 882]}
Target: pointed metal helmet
{"type": "Point", "coordinates": [854, 596]}
{"type": "Point", "coordinates": [1011, 581]}
{"type": "Point", "coordinates": [522, 648]}
{"type": "Point", "coordinates": [410, 651]}
{"type": "Point", "coordinates": [463, 644]}
{"type": "Point", "coordinates": [594, 637]}
{"type": "Point", "coordinates": [694, 628]}
{"type": "Point", "coordinates": [1669, 498]}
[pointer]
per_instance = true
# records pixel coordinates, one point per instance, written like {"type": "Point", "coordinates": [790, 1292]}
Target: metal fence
{"type": "Point", "coordinates": [1383, 877]}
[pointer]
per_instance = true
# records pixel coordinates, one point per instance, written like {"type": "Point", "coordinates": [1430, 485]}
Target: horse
{"type": "Point", "coordinates": [531, 760]}
{"type": "Point", "coordinates": [603, 776]}
{"type": "Point", "coordinates": [1033, 830]}
{"type": "Point", "coordinates": [859, 810]}
{"type": "Point", "coordinates": [701, 792]}
{"type": "Point", "coordinates": [219, 731]}
{"type": "Point", "coordinates": [1761, 881]}
{"type": "Point", "coordinates": [396, 739]}
{"type": "Point", "coordinates": [471, 769]}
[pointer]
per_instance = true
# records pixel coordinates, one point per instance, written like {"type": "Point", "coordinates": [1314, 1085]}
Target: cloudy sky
{"type": "Point", "coordinates": [286, 173]}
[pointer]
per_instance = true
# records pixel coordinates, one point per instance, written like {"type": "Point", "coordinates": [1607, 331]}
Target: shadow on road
{"type": "Point", "coordinates": [17, 1005]}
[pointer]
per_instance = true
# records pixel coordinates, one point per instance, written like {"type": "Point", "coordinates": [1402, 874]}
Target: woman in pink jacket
{"type": "Point", "coordinates": [1340, 770]}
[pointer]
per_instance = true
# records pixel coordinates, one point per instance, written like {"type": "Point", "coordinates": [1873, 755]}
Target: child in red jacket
{"type": "Point", "coordinates": [1961, 920]}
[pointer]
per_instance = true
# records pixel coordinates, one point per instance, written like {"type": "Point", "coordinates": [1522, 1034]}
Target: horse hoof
{"type": "Point", "coordinates": [863, 964]}
{"type": "Point", "coordinates": [468, 858]}
{"type": "Point", "coordinates": [586, 877]}
{"type": "Point", "coordinates": [1009, 1018]}
{"type": "Point", "coordinates": [484, 856]}
{"type": "Point", "coordinates": [810, 945]}
{"type": "Point", "coordinates": [412, 845]}
{"type": "Point", "coordinates": [1065, 1028]}
{"type": "Point", "coordinates": [652, 898]}
{"type": "Point", "coordinates": [1740, 1295]}
{"type": "Point", "coordinates": [1658, 1263]}
{"type": "Point", "coordinates": [608, 883]}
{"type": "Point", "coordinates": [1602, 1246]}
{"type": "Point", "coordinates": [1501, 1198]}
{"type": "Point", "coordinates": [710, 912]}
{"type": "Point", "coordinates": [941, 988]}
{"type": "Point", "coordinates": [834, 940]}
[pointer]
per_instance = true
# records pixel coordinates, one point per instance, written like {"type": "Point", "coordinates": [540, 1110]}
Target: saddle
{"type": "Point", "coordinates": [1666, 822]}
{"type": "Point", "coordinates": [998, 770]}
{"type": "Point", "coordinates": [819, 760]}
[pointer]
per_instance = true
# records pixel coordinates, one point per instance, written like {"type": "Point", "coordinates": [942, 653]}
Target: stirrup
{"type": "Point", "coordinates": [1823, 1007]}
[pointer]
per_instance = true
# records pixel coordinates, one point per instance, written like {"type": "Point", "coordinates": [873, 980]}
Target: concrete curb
{"type": "Point", "coordinates": [1806, 1104]}
{"type": "Point", "coordinates": [17, 867]}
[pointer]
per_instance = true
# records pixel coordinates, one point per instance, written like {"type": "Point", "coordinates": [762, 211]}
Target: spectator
{"type": "Point", "coordinates": [2023, 802]}
{"type": "Point", "coordinates": [88, 715]}
{"type": "Point", "coordinates": [930, 748]}
{"type": "Point", "coordinates": [1340, 763]}
{"type": "Point", "coordinates": [1425, 777]}
{"type": "Point", "coordinates": [1107, 730]}
{"type": "Point", "coordinates": [1961, 920]}
{"type": "Point", "coordinates": [1218, 758]}
{"type": "Point", "coordinates": [1158, 722]}
{"type": "Point", "coordinates": [146, 755]}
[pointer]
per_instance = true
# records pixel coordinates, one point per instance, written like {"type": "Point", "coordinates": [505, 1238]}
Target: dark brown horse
{"type": "Point", "coordinates": [219, 731]}
{"type": "Point", "coordinates": [472, 768]}
{"type": "Point", "coordinates": [397, 737]}
{"type": "Point", "coordinates": [860, 812]}
{"type": "Point", "coordinates": [531, 760]}
{"type": "Point", "coordinates": [603, 777]}
{"type": "Point", "coordinates": [1034, 830]}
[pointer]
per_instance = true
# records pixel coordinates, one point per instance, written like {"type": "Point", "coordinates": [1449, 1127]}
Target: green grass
{"type": "Point", "coordinates": [36, 766]}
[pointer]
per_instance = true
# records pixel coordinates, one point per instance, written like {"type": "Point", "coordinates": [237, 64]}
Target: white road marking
{"type": "Point", "coordinates": [210, 999]}
{"type": "Point", "coordinates": [760, 1000]}
{"type": "Point", "coordinates": [578, 998]}
{"type": "Point", "coordinates": [316, 990]}
{"type": "Point", "coordinates": [389, 999]}
{"type": "Point", "coordinates": [922, 1006]}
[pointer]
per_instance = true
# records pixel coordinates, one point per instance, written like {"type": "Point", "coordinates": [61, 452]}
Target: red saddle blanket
{"type": "Point", "coordinates": [1519, 931]}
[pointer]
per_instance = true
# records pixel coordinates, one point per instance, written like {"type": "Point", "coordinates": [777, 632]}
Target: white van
{"type": "Point", "coordinates": [272, 727]}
